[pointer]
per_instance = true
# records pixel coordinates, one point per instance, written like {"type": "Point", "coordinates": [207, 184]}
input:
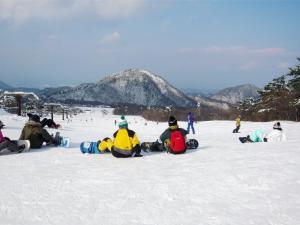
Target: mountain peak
{"type": "Point", "coordinates": [131, 86]}
{"type": "Point", "coordinates": [237, 93]}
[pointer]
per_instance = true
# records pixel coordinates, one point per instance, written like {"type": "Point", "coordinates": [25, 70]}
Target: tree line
{"type": "Point", "coordinates": [279, 99]}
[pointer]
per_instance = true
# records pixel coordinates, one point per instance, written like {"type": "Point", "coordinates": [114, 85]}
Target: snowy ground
{"type": "Point", "coordinates": [222, 182]}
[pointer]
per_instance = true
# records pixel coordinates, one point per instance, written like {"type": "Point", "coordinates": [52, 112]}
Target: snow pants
{"type": "Point", "coordinates": [10, 145]}
{"type": "Point", "coordinates": [190, 125]}
{"type": "Point", "coordinates": [236, 130]}
{"type": "Point", "coordinates": [136, 149]}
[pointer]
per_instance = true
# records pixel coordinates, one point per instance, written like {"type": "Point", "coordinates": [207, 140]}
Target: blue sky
{"type": "Point", "coordinates": [192, 44]}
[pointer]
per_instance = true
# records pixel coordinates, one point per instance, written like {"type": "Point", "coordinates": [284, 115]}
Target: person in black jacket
{"type": "Point", "coordinates": [164, 141]}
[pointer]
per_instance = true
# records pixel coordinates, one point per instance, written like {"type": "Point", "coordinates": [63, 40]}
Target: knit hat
{"type": "Point", "coordinates": [122, 122]}
{"type": "Point", "coordinates": [277, 125]}
{"type": "Point", "coordinates": [35, 118]}
{"type": "Point", "coordinates": [172, 121]}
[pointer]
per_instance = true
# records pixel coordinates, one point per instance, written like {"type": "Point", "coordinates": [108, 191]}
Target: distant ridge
{"type": "Point", "coordinates": [4, 86]}
{"type": "Point", "coordinates": [236, 94]}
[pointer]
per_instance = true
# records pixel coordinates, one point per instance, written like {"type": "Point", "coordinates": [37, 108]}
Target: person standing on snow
{"type": "Point", "coordinates": [237, 124]}
{"type": "Point", "coordinates": [190, 123]}
{"type": "Point", "coordinates": [125, 143]}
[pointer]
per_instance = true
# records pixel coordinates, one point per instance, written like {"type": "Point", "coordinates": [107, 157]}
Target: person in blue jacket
{"type": "Point", "coordinates": [190, 123]}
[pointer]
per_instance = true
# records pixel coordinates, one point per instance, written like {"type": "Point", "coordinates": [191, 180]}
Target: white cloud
{"type": "Point", "coordinates": [109, 38]}
{"type": "Point", "coordinates": [18, 11]}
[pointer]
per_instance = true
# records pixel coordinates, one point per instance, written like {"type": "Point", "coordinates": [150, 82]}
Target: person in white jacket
{"type": "Point", "coordinates": [276, 135]}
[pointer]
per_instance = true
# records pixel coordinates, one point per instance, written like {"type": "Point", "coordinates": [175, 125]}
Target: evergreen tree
{"type": "Point", "coordinates": [295, 77]}
{"type": "Point", "coordinates": [280, 99]}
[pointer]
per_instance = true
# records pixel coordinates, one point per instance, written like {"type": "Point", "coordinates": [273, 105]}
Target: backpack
{"type": "Point", "coordinates": [177, 142]}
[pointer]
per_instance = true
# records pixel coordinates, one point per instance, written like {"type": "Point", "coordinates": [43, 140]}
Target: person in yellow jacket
{"type": "Point", "coordinates": [125, 143]}
{"type": "Point", "coordinates": [237, 124]}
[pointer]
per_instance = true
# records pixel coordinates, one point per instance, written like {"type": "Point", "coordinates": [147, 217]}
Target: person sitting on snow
{"type": "Point", "coordinates": [46, 122]}
{"type": "Point", "coordinates": [276, 135]}
{"type": "Point", "coordinates": [172, 139]}
{"type": "Point", "coordinates": [50, 123]}
{"type": "Point", "coordinates": [125, 143]}
{"type": "Point", "coordinates": [6, 143]}
{"type": "Point", "coordinates": [36, 134]}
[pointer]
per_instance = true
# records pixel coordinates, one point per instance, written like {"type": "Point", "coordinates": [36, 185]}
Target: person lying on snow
{"type": "Point", "coordinates": [173, 139]}
{"type": "Point", "coordinates": [6, 143]}
{"type": "Point", "coordinates": [276, 135]}
{"type": "Point", "coordinates": [36, 134]}
{"type": "Point", "coordinates": [46, 122]}
{"type": "Point", "coordinates": [125, 143]}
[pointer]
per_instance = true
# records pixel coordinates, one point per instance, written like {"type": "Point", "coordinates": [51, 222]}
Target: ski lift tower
{"type": "Point", "coordinates": [19, 96]}
{"type": "Point", "coordinates": [51, 106]}
{"type": "Point", "coordinates": [65, 111]}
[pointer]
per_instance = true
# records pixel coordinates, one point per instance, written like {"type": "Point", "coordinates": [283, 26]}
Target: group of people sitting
{"type": "Point", "coordinates": [34, 132]}
{"type": "Point", "coordinates": [125, 142]}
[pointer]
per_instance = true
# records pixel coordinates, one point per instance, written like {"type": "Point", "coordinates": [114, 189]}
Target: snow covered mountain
{"type": "Point", "coordinates": [235, 94]}
{"type": "Point", "coordinates": [132, 86]}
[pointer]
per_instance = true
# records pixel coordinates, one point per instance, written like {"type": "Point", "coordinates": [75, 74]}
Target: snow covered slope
{"type": "Point", "coordinates": [222, 182]}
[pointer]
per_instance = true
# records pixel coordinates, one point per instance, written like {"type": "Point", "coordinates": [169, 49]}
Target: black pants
{"type": "Point", "coordinates": [157, 147]}
{"type": "Point", "coordinates": [49, 123]}
{"type": "Point", "coordinates": [236, 129]}
{"type": "Point", "coordinates": [136, 149]}
{"type": "Point", "coordinates": [10, 145]}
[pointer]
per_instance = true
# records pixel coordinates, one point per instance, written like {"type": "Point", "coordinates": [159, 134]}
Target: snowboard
{"type": "Point", "coordinates": [155, 146]}
{"type": "Point", "coordinates": [23, 144]}
{"type": "Point", "coordinates": [65, 142]}
{"type": "Point", "coordinates": [90, 147]}
{"type": "Point", "coordinates": [245, 140]}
